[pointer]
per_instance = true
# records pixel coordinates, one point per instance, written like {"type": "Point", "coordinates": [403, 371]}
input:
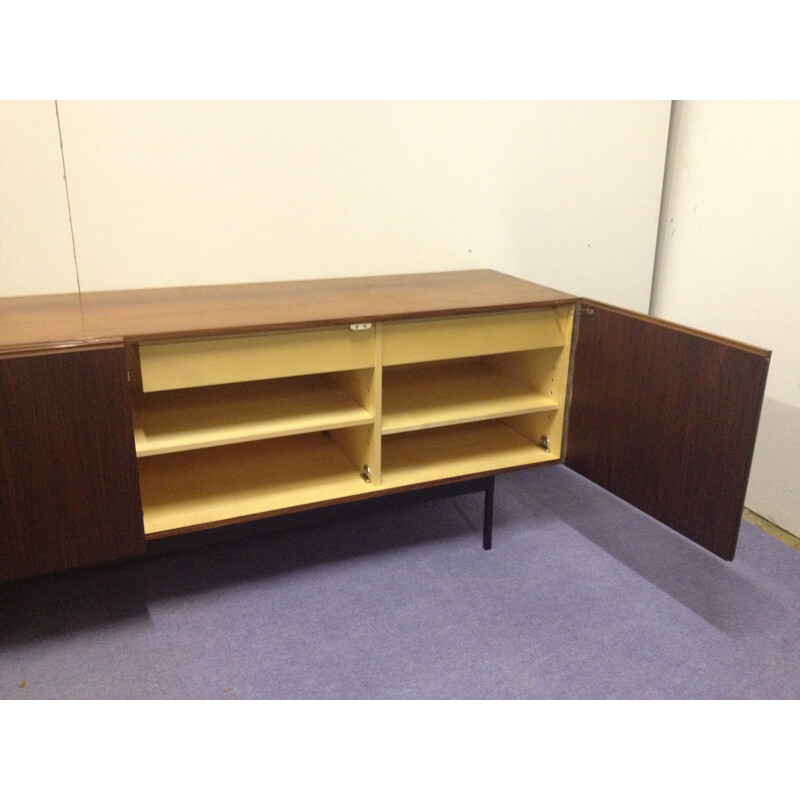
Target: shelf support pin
{"type": "Point", "coordinates": [544, 443]}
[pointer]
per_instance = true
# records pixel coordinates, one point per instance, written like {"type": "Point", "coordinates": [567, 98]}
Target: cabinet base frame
{"type": "Point", "coordinates": [329, 513]}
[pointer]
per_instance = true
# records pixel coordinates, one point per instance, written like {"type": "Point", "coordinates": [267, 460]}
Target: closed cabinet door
{"type": "Point", "coordinates": [69, 491]}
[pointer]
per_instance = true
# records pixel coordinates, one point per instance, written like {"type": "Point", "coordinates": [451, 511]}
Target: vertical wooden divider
{"type": "Point", "coordinates": [362, 444]}
{"type": "Point", "coordinates": [377, 470]}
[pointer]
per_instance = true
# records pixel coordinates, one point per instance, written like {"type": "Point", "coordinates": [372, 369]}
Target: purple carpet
{"type": "Point", "coordinates": [581, 596]}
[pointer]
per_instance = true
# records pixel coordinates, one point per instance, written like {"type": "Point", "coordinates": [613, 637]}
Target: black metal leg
{"type": "Point", "coordinates": [488, 511]}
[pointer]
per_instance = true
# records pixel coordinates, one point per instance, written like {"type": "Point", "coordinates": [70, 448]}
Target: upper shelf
{"type": "Point", "coordinates": [173, 421]}
{"type": "Point", "coordinates": [432, 395]}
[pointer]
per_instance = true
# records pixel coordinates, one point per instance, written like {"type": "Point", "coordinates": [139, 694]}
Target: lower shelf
{"type": "Point", "coordinates": [200, 488]}
{"type": "Point", "coordinates": [203, 488]}
{"type": "Point", "coordinates": [443, 453]}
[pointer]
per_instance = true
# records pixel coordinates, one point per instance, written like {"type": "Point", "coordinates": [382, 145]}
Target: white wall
{"type": "Point", "coordinates": [562, 193]}
{"type": "Point", "coordinates": [729, 261]}
{"type": "Point", "coordinates": [35, 241]}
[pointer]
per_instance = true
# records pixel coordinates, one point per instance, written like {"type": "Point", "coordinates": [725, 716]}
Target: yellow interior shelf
{"type": "Point", "coordinates": [445, 393]}
{"type": "Point", "coordinates": [457, 450]}
{"type": "Point", "coordinates": [170, 421]}
{"type": "Point", "coordinates": [196, 487]}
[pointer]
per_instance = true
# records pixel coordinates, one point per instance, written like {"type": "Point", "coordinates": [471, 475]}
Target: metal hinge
{"type": "Point", "coordinates": [360, 326]}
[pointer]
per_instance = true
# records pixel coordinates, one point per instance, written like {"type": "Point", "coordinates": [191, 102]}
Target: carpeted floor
{"type": "Point", "coordinates": [580, 597]}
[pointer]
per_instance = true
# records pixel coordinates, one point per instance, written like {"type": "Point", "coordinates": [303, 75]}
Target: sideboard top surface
{"type": "Point", "coordinates": [153, 314]}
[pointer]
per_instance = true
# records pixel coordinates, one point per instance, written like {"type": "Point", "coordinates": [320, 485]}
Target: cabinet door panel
{"type": "Point", "coordinates": [69, 492]}
{"type": "Point", "coordinates": [666, 419]}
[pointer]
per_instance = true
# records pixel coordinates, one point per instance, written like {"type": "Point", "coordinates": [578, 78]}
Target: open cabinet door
{"type": "Point", "coordinates": [666, 419]}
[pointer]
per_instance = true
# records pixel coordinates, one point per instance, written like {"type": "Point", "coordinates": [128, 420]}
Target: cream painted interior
{"type": "Point", "coordinates": [261, 442]}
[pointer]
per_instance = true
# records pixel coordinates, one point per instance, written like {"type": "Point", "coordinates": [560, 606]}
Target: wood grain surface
{"type": "Point", "coordinates": [69, 494]}
{"type": "Point", "coordinates": [666, 419]}
{"type": "Point", "coordinates": [153, 314]}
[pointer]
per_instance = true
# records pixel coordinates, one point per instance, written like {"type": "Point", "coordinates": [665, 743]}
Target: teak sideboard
{"type": "Point", "coordinates": [133, 415]}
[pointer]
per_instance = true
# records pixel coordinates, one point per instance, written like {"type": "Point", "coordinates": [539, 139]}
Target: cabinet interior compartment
{"type": "Point", "coordinates": [211, 416]}
{"type": "Point", "coordinates": [234, 428]}
{"type": "Point", "coordinates": [465, 449]}
{"type": "Point", "coordinates": [497, 401]}
{"type": "Point", "coordinates": [433, 394]}
{"type": "Point", "coordinates": [239, 427]}
{"type": "Point", "coordinates": [193, 489]}
{"type": "Point", "coordinates": [547, 371]}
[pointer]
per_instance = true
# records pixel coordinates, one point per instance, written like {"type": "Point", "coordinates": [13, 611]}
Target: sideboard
{"type": "Point", "coordinates": [129, 416]}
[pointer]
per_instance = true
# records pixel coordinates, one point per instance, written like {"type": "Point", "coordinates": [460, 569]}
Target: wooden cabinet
{"type": "Point", "coordinates": [240, 402]}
